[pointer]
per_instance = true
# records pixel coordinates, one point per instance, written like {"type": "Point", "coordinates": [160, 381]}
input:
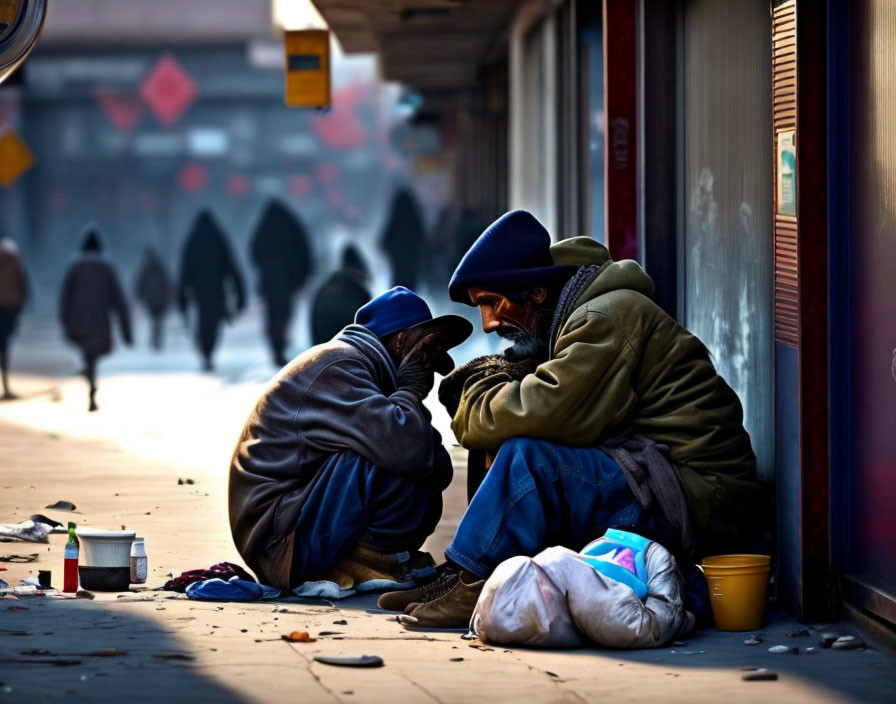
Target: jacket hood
{"type": "Point", "coordinates": [370, 346]}
{"type": "Point", "coordinates": [612, 276]}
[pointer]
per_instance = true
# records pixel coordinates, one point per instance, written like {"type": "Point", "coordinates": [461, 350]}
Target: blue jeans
{"type": "Point", "coordinates": [538, 494]}
{"type": "Point", "coordinates": [354, 501]}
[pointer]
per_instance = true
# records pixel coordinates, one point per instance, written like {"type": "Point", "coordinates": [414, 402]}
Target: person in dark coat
{"type": "Point", "coordinates": [13, 291]}
{"type": "Point", "coordinates": [154, 289]}
{"type": "Point", "coordinates": [338, 474]}
{"type": "Point", "coordinates": [403, 237]}
{"type": "Point", "coordinates": [337, 299]}
{"type": "Point", "coordinates": [90, 295]}
{"type": "Point", "coordinates": [281, 253]}
{"type": "Point", "coordinates": [209, 277]}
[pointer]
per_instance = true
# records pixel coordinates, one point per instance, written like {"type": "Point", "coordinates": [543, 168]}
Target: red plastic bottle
{"type": "Point", "coordinates": [70, 573]}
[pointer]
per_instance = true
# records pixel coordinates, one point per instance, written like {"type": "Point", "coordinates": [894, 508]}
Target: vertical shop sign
{"type": "Point", "coordinates": [786, 172]}
{"type": "Point", "coordinates": [308, 68]}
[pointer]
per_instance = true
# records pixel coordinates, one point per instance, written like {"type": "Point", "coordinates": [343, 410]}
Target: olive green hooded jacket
{"type": "Point", "coordinates": [620, 362]}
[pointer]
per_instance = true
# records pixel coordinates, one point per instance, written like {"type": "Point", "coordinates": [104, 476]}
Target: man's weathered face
{"type": "Point", "coordinates": [525, 323]}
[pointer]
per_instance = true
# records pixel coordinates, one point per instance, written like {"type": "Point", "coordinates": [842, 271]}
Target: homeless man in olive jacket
{"type": "Point", "coordinates": [338, 474]}
{"type": "Point", "coordinates": [605, 413]}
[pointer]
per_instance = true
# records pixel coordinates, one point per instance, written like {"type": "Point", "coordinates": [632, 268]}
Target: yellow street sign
{"type": "Point", "coordinates": [15, 158]}
{"type": "Point", "coordinates": [308, 68]}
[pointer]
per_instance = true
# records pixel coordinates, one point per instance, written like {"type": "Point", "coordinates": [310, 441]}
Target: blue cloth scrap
{"type": "Point", "coordinates": [234, 590]}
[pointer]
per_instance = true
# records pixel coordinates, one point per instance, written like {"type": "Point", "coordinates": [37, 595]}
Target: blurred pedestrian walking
{"type": "Point", "coordinates": [403, 237]}
{"type": "Point", "coordinates": [282, 256]}
{"type": "Point", "coordinates": [154, 289]}
{"type": "Point", "coordinates": [13, 291]}
{"type": "Point", "coordinates": [335, 302]}
{"type": "Point", "coordinates": [91, 293]}
{"type": "Point", "coordinates": [209, 279]}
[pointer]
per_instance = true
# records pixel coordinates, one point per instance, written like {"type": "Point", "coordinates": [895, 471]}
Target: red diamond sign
{"type": "Point", "coordinates": [168, 90]}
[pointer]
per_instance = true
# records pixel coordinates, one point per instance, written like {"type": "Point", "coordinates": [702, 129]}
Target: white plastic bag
{"type": "Point", "coordinates": [555, 599]}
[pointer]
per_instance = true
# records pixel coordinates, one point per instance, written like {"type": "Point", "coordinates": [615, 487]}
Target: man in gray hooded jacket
{"type": "Point", "coordinates": [338, 473]}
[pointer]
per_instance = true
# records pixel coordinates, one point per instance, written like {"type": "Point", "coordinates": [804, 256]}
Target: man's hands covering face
{"type": "Point", "coordinates": [413, 374]}
{"type": "Point", "coordinates": [453, 386]}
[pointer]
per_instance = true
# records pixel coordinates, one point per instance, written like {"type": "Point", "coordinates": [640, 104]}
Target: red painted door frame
{"type": "Point", "coordinates": [620, 134]}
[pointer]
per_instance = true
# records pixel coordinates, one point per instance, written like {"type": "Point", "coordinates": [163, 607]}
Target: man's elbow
{"type": "Point", "coordinates": [411, 456]}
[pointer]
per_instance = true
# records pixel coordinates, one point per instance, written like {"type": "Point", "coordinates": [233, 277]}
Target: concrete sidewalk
{"type": "Point", "coordinates": [121, 467]}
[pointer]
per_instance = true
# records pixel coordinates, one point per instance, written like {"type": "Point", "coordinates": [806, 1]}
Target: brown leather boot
{"type": "Point", "coordinates": [399, 600]}
{"type": "Point", "coordinates": [452, 609]}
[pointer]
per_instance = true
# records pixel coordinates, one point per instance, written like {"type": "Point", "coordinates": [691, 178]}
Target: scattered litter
{"type": "Point", "coordinates": [181, 482]}
{"type": "Point", "coordinates": [456, 659]}
{"type": "Point", "coordinates": [551, 674]}
{"type": "Point", "coordinates": [62, 506]}
{"type": "Point", "coordinates": [173, 656]}
{"type": "Point", "coordinates": [811, 650]}
{"type": "Point", "coordinates": [799, 634]}
{"type": "Point", "coordinates": [298, 637]}
{"type": "Point", "coordinates": [330, 633]}
{"type": "Point", "coordinates": [136, 597]}
{"type": "Point", "coordinates": [760, 676]}
{"type": "Point", "coordinates": [340, 622]}
{"type": "Point", "coordinates": [479, 645]}
{"type": "Point", "coordinates": [827, 639]}
{"type": "Point", "coordinates": [358, 661]}
{"type": "Point", "coordinates": [848, 643]}
{"type": "Point", "coordinates": [32, 557]}
{"type": "Point", "coordinates": [754, 640]}
{"type": "Point", "coordinates": [41, 518]}
{"type": "Point", "coordinates": [84, 594]}
{"type": "Point", "coordinates": [783, 649]}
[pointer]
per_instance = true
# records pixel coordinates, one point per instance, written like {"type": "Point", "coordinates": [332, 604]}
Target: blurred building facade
{"type": "Point", "coordinates": [742, 151]}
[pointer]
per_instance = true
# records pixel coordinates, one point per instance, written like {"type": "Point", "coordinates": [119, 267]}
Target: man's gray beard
{"type": "Point", "coordinates": [526, 345]}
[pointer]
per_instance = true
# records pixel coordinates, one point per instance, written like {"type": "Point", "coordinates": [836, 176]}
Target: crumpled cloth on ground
{"type": "Point", "coordinates": [234, 589]}
{"type": "Point", "coordinates": [27, 531]}
{"type": "Point", "coordinates": [223, 570]}
{"type": "Point", "coordinates": [228, 582]}
{"type": "Point", "coordinates": [557, 599]}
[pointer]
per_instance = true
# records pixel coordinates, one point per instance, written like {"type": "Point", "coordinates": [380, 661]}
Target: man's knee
{"type": "Point", "coordinates": [537, 455]}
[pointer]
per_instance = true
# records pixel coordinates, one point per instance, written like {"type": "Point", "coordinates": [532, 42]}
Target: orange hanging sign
{"type": "Point", "coordinates": [308, 68]}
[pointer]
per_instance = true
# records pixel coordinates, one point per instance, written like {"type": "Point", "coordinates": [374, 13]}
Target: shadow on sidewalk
{"type": "Point", "coordinates": [155, 665]}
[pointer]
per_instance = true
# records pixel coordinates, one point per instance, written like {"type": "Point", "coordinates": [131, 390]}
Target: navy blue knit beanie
{"type": "Point", "coordinates": [512, 255]}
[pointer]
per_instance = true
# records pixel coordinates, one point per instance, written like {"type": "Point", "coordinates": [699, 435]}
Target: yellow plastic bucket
{"type": "Point", "coordinates": [737, 590]}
